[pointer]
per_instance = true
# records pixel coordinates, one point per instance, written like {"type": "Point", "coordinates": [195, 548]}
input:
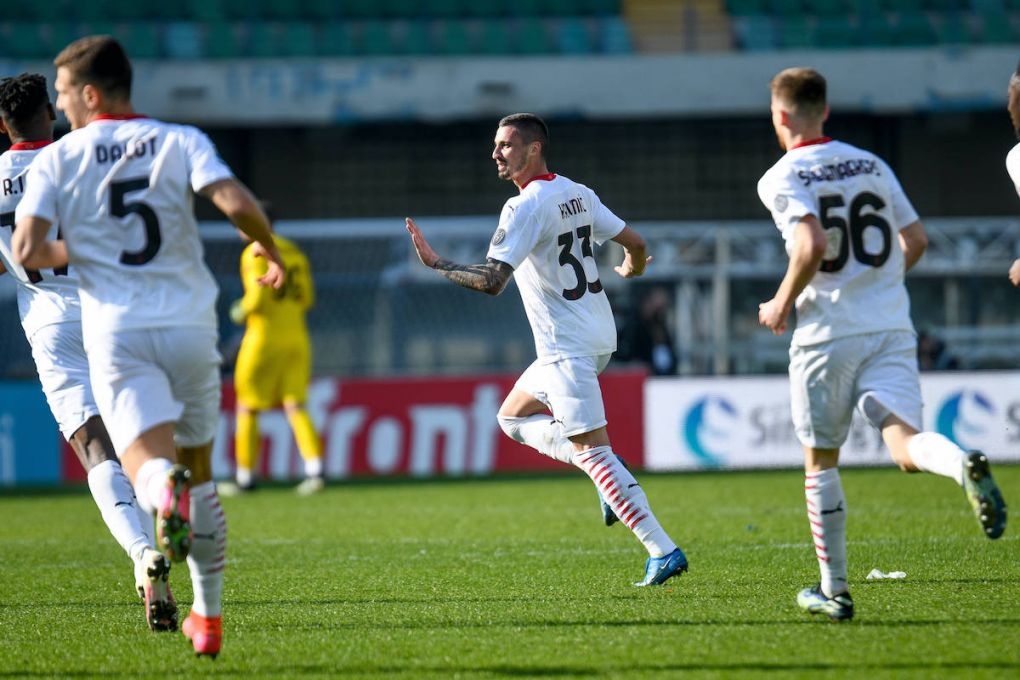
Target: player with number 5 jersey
{"type": "Point", "coordinates": [120, 188]}
{"type": "Point", "coordinates": [851, 235]}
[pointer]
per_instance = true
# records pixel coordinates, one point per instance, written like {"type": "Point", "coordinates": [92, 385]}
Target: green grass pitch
{"type": "Point", "coordinates": [516, 577]}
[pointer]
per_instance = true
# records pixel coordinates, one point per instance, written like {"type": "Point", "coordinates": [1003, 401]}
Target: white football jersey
{"type": "Point", "coordinates": [546, 233]}
{"type": "Point", "coordinates": [862, 208]}
{"type": "Point", "coordinates": [120, 189]}
{"type": "Point", "coordinates": [44, 297]}
{"type": "Point", "coordinates": [1013, 167]}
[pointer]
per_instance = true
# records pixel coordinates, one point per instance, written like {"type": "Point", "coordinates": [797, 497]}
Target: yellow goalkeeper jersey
{"type": "Point", "coordinates": [277, 315]}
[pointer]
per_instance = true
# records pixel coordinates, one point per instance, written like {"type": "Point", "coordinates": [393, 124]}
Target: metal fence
{"type": "Point", "coordinates": [379, 312]}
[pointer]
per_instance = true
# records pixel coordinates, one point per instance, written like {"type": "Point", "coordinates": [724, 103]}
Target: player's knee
{"type": "Point", "coordinates": [511, 426]}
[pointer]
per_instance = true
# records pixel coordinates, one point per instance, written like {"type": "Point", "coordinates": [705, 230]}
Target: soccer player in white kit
{"type": "Point", "coordinates": [1013, 157]}
{"type": "Point", "coordinates": [51, 318]}
{"type": "Point", "coordinates": [544, 240]}
{"type": "Point", "coordinates": [851, 235]}
{"type": "Point", "coordinates": [119, 187]}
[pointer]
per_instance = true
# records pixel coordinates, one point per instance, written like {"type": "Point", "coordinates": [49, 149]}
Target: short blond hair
{"type": "Point", "coordinates": [802, 90]}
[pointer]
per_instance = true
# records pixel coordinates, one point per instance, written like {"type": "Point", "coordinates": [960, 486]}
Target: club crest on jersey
{"type": "Point", "coordinates": [498, 237]}
{"type": "Point", "coordinates": [781, 203]}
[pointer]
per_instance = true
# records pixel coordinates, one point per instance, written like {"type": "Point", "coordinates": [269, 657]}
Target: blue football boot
{"type": "Point", "coordinates": [658, 570]}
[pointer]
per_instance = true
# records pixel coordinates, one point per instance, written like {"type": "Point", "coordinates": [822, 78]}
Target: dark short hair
{"type": "Point", "coordinates": [100, 61]}
{"type": "Point", "coordinates": [801, 89]}
{"type": "Point", "coordinates": [23, 98]}
{"type": "Point", "coordinates": [530, 127]}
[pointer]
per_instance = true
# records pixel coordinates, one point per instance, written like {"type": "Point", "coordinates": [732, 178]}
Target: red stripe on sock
{"type": "Point", "coordinates": [637, 521]}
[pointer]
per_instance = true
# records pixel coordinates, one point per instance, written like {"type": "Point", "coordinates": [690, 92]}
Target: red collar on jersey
{"type": "Point", "coordinates": [547, 177]}
{"type": "Point", "coordinates": [26, 146]}
{"type": "Point", "coordinates": [811, 142]}
{"type": "Point", "coordinates": [119, 116]}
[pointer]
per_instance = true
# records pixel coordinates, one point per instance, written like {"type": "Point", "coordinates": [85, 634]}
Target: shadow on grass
{"type": "Point", "coordinates": [505, 670]}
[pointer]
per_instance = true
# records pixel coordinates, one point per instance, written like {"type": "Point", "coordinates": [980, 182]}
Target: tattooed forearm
{"type": "Point", "coordinates": [490, 277]}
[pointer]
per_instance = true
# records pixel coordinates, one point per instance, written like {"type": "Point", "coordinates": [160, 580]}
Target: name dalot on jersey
{"type": "Point", "coordinates": [136, 148]}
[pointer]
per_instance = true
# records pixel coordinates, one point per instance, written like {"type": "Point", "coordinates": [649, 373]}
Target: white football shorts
{"type": "Point", "coordinates": [64, 373]}
{"type": "Point", "coordinates": [570, 388]}
{"type": "Point", "coordinates": [874, 372]}
{"type": "Point", "coordinates": [144, 378]}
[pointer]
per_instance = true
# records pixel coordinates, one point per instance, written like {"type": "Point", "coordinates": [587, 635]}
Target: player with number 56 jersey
{"type": "Point", "coordinates": [851, 235]}
{"type": "Point", "coordinates": [862, 208]}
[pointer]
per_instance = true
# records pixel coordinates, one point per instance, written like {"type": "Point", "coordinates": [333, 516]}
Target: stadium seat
{"type": "Point", "coordinates": [206, 10]}
{"type": "Point", "coordinates": [492, 8]}
{"type": "Point", "coordinates": [614, 36]}
{"type": "Point", "coordinates": [62, 33]}
{"type": "Point", "coordinates": [756, 32]}
{"type": "Point", "coordinates": [263, 39]}
{"type": "Point", "coordinates": [796, 32]}
{"type": "Point", "coordinates": [445, 9]}
{"type": "Point", "coordinates": [297, 39]}
{"type": "Point", "coordinates": [835, 32]}
{"type": "Point", "coordinates": [745, 7]}
{"type": "Point", "coordinates": [996, 28]}
{"type": "Point", "coordinates": [527, 8]}
{"type": "Point", "coordinates": [495, 37]}
{"type": "Point", "coordinates": [411, 37]}
{"type": "Point", "coordinates": [982, 6]}
{"type": "Point", "coordinates": [337, 40]}
{"type": "Point", "coordinates": [361, 9]}
{"type": "Point", "coordinates": [22, 40]}
{"type": "Point", "coordinates": [573, 36]}
{"type": "Point", "coordinates": [454, 38]}
{"type": "Point", "coordinates": [602, 8]}
{"type": "Point", "coordinates": [828, 8]}
{"type": "Point", "coordinates": [99, 10]}
{"type": "Point", "coordinates": [913, 29]}
{"type": "Point", "coordinates": [944, 5]}
{"type": "Point", "coordinates": [182, 40]}
{"type": "Point", "coordinates": [953, 28]}
{"type": "Point", "coordinates": [875, 30]}
{"type": "Point", "coordinates": [903, 5]}
{"type": "Point", "coordinates": [323, 10]}
{"type": "Point", "coordinates": [532, 37]}
{"type": "Point", "coordinates": [222, 40]}
{"type": "Point", "coordinates": [141, 39]}
{"type": "Point", "coordinates": [786, 8]}
{"type": "Point", "coordinates": [404, 9]}
{"type": "Point", "coordinates": [375, 39]}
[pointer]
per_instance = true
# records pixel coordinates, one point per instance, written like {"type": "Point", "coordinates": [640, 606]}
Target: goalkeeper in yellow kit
{"type": "Point", "coordinates": [275, 361]}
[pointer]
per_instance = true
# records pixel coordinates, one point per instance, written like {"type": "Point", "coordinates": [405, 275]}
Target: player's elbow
{"type": "Point", "coordinates": [21, 248]}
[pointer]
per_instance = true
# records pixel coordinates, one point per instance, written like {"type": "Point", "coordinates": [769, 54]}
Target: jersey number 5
{"type": "Point", "coordinates": [566, 241]}
{"type": "Point", "coordinates": [120, 208]}
{"type": "Point", "coordinates": [855, 230]}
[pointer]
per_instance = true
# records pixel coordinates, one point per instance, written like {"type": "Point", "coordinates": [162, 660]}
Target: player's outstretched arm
{"type": "Point", "coordinates": [31, 248]}
{"type": "Point", "coordinates": [490, 277]}
{"type": "Point", "coordinates": [635, 254]}
{"type": "Point", "coordinates": [805, 259]}
{"type": "Point", "coordinates": [241, 208]}
{"type": "Point", "coordinates": [913, 243]}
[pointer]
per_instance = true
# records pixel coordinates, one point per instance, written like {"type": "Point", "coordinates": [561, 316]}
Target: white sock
{"type": "Point", "coordinates": [625, 496]}
{"type": "Point", "coordinates": [313, 467]}
{"type": "Point", "coordinates": [115, 498]}
{"type": "Point", "coordinates": [150, 482]}
{"type": "Point", "coordinates": [826, 509]}
{"type": "Point", "coordinates": [208, 549]}
{"type": "Point", "coordinates": [932, 452]}
{"type": "Point", "coordinates": [243, 476]}
{"type": "Point", "coordinates": [541, 432]}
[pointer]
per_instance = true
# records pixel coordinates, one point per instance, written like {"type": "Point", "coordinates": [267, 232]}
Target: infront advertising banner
{"type": "Point", "coordinates": [706, 423]}
{"type": "Point", "coordinates": [420, 427]}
